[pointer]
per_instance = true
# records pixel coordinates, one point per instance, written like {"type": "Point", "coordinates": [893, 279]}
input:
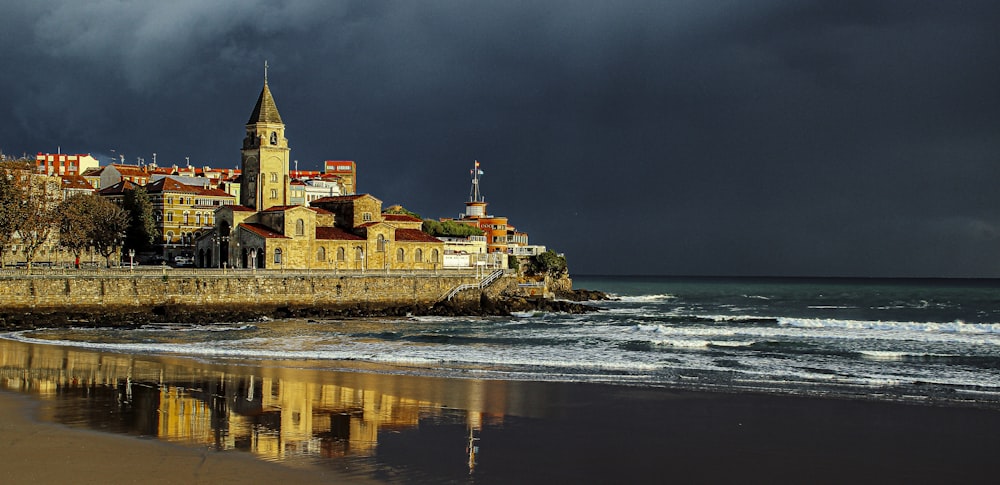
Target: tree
{"type": "Point", "coordinates": [108, 229]}
{"type": "Point", "coordinates": [142, 227]}
{"type": "Point", "coordinates": [450, 228]}
{"type": "Point", "coordinates": [76, 223]}
{"type": "Point", "coordinates": [40, 211]}
{"type": "Point", "coordinates": [11, 216]}
{"type": "Point", "coordinates": [548, 262]}
{"type": "Point", "coordinates": [398, 209]}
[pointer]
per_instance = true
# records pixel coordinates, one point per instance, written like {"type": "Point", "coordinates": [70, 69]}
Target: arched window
{"type": "Point", "coordinates": [197, 218]}
{"type": "Point", "coordinates": [277, 256]}
{"type": "Point", "coordinates": [359, 253]}
{"type": "Point", "coordinates": [300, 227]}
{"type": "Point", "coordinates": [380, 246]}
{"type": "Point", "coordinates": [186, 217]}
{"type": "Point", "coordinates": [400, 255]}
{"type": "Point", "coordinates": [274, 137]}
{"type": "Point", "coordinates": [434, 256]}
{"type": "Point", "coordinates": [340, 254]}
{"type": "Point", "coordinates": [321, 254]}
{"type": "Point", "coordinates": [418, 255]}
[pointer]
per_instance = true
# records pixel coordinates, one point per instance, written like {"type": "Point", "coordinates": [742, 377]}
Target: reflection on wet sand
{"type": "Point", "coordinates": [266, 408]}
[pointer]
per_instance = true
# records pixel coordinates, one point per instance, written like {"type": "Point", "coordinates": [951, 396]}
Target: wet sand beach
{"type": "Point", "coordinates": [39, 452]}
{"type": "Point", "coordinates": [169, 420]}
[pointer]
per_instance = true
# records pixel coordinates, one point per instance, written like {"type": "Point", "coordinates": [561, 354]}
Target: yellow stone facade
{"type": "Point", "coordinates": [344, 233]}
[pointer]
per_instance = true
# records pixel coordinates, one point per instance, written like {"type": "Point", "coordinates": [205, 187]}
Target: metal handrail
{"type": "Point", "coordinates": [485, 282]}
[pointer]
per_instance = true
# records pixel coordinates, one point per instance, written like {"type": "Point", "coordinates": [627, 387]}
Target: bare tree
{"type": "Point", "coordinates": [77, 220]}
{"type": "Point", "coordinates": [11, 203]}
{"type": "Point", "coordinates": [40, 210]}
{"type": "Point", "coordinates": [108, 228]}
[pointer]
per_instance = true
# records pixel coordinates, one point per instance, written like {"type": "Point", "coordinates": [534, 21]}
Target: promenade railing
{"type": "Point", "coordinates": [167, 271]}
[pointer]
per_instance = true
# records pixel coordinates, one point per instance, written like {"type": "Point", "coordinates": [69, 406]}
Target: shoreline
{"type": "Point", "coordinates": [35, 450]}
{"type": "Point", "coordinates": [618, 433]}
{"type": "Point", "coordinates": [569, 302]}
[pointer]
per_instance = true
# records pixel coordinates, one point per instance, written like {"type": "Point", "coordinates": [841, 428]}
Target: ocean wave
{"type": "Point", "coordinates": [644, 298]}
{"type": "Point", "coordinates": [957, 326]}
{"type": "Point", "coordinates": [890, 355]}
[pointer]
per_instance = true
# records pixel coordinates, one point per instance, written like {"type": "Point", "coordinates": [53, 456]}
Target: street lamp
{"type": "Point", "coordinates": [253, 259]}
{"type": "Point", "coordinates": [131, 259]}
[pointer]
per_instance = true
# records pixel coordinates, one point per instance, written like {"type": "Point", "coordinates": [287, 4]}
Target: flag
{"type": "Point", "coordinates": [480, 172]}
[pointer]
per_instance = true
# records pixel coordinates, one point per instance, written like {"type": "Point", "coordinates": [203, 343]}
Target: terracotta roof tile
{"type": "Point", "coordinates": [76, 182]}
{"type": "Point", "coordinates": [262, 231]}
{"type": "Point", "coordinates": [130, 170]}
{"type": "Point", "coordinates": [119, 188]}
{"type": "Point", "coordinates": [401, 218]}
{"type": "Point", "coordinates": [280, 208]}
{"type": "Point", "coordinates": [340, 198]}
{"type": "Point", "coordinates": [214, 193]}
{"type": "Point", "coordinates": [336, 234]}
{"type": "Point", "coordinates": [414, 235]}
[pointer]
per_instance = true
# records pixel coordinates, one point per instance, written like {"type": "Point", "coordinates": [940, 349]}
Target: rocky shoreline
{"type": "Point", "coordinates": [567, 302]}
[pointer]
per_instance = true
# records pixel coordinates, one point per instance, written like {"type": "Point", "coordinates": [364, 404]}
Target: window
{"type": "Point", "coordinates": [170, 217]}
{"type": "Point", "coordinates": [367, 216]}
{"type": "Point", "coordinates": [321, 254]}
{"type": "Point", "coordinates": [197, 218]}
{"type": "Point", "coordinates": [274, 137]}
{"type": "Point", "coordinates": [274, 176]}
{"type": "Point", "coordinates": [434, 256]}
{"type": "Point", "coordinates": [170, 200]}
{"type": "Point", "coordinates": [359, 253]}
{"type": "Point", "coordinates": [274, 193]}
{"type": "Point", "coordinates": [418, 255]}
{"type": "Point", "coordinates": [277, 256]}
{"type": "Point", "coordinates": [186, 216]}
{"type": "Point", "coordinates": [380, 246]}
{"type": "Point", "coordinates": [340, 254]}
{"type": "Point", "coordinates": [400, 255]}
{"type": "Point", "coordinates": [300, 227]}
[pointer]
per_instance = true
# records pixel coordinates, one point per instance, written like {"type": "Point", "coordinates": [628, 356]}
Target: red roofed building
{"type": "Point", "coordinates": [64, 164]}
{"type": "Point", "coordinates": [75, 184]}
{"type": "Point", "coordinates": [273, 228]}
{"type": "Point", "coordinates": [183, 213]}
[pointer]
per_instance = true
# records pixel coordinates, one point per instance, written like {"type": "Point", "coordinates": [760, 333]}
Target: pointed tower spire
{"type": "Point", "coordinates": [265, 111]}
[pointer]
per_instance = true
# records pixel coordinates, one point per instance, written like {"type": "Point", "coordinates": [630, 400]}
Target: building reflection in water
{"type": "Point", "coordinates": [275, 412]}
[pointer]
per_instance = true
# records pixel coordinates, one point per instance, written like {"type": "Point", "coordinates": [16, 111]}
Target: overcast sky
{"type": "Point", "coordinates": [765, 137]}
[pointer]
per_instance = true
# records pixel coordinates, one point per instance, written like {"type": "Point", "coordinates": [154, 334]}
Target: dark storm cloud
{"type": "Point", "coordinates": [771, 137]}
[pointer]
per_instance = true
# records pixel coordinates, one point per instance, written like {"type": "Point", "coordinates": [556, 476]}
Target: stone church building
{"type": "Point", "coordinates": [345, 233]}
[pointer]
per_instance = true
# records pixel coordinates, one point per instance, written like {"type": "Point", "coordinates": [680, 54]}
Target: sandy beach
{"type": "Point", "coordinates": [41, 452]}
{"type": "Point", "coordinates": [90, 416]}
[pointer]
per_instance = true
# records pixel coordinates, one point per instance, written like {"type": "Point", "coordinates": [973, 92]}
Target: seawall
{"type": "Point", "coordinates": [176, 295]}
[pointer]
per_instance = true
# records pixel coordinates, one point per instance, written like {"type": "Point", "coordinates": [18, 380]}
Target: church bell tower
{"type": "Point", "coordinates": [265, 156]}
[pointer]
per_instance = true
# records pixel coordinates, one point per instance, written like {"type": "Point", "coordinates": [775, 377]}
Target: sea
{"type": "Point", "coordinates": [921, 340]}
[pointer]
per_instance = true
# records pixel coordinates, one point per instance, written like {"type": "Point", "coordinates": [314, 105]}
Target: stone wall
{"type": "Point", "coordinates": [205, 290]}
